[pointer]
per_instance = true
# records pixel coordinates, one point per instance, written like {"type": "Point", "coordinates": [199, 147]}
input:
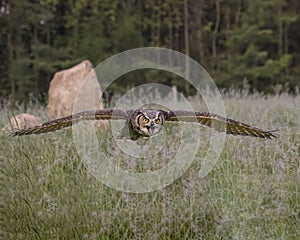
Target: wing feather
{"type": "Point", "coordinates": [219, 123]}
{"type": "Point", "coordinates": [68, 121]}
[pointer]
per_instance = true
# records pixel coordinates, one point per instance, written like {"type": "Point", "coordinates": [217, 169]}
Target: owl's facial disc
{"type": "Point", "coordinates": [152, 128]}
{"type": "Point", "coordinates": [148, 122]}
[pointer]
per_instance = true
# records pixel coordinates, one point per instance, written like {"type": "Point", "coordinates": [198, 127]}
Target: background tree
{"type": "Point", "coordinates": [233, 39]}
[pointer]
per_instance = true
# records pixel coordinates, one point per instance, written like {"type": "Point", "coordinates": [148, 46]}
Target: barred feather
{"type": "Point", "coordinates": [68, 121]}
{"type": "Point", "coordinates": [219, 123]}
{"type": "Point", "coordinates": [213, 121]}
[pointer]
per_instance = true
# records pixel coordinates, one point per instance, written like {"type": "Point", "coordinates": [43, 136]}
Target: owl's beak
{"type": "Point", "coordinates": [150, 130]}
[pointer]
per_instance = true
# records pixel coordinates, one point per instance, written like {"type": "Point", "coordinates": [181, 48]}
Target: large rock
{"type": "Point", "coordinates": [23, 120]}
{"type": "Point", "coordinates": [64, 91]}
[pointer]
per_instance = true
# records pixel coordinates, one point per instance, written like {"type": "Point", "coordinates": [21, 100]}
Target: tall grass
{"type": "Point", "coordinates": [252, 193]}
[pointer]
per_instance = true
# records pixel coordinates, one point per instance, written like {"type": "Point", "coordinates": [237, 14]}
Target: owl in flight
{"type": "Point", "coordinates": [149, 122]}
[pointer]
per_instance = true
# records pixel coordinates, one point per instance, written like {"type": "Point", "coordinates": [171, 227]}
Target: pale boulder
{"type": "Point", "coordinates": [23, 120]}
{"type": "Point", "coordinates": [79, 84]}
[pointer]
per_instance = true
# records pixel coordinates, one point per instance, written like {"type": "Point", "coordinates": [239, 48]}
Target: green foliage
{"type": "Point", "coordinates": [256, 50]}
{"type": "Point", "coordinates": [233, 40]}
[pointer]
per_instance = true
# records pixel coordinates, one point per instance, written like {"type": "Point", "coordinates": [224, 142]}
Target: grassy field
{"type": "Point", "coordinates": [253, 192]}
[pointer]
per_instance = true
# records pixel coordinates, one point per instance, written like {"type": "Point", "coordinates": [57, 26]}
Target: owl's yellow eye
{"type": "Point", "coordinates": [146, 120]}
{"type": "Point", "coordinates": [157, 120]}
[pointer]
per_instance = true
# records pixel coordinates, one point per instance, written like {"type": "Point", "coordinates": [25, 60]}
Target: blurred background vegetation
{"type": "Point", "coordinates": [237, 41]}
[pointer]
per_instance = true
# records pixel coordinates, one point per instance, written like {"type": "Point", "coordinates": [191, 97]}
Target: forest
{"type": "Point", "coordinates": [239, 42]}
{"type": "Point", "coordinates": [251, 190]}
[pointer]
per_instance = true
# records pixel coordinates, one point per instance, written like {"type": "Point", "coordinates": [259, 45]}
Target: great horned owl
{"type": "Point", "coordinates": [148, 122]}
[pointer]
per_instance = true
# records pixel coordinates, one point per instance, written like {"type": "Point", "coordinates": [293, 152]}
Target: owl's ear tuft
{"type": "Point", "coordinates": [165, 114]}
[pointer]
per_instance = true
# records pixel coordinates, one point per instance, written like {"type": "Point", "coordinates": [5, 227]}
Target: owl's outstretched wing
{"type": "Point", "coordinates": [68, 121]}
{"type": "Point", "coordinates": [218, 123]}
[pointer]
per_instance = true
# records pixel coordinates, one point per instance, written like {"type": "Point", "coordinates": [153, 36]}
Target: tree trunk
{"type": "Point", "coordinates": [11, 66]}
{"type": "Point", "coordinates": [186, 44]}
{"type": "Point", "coordinates": [280, 34]}
{"type": "Point", "coordinates": [238, 14]}
{"type": "Point", "coordinates": [227, 30]}
{"type": "Point", "coordinates": [215, 35]}
{"type": "Point", "coordinates": [199, 33]}
{"type": "Point", "coordinates": [35, 60]}
{"type": "Point", "coordinates": [286, 39]}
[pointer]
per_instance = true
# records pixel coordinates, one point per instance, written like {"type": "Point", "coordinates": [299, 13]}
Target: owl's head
{"type": "Point", "coordinates": [148, 122]}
